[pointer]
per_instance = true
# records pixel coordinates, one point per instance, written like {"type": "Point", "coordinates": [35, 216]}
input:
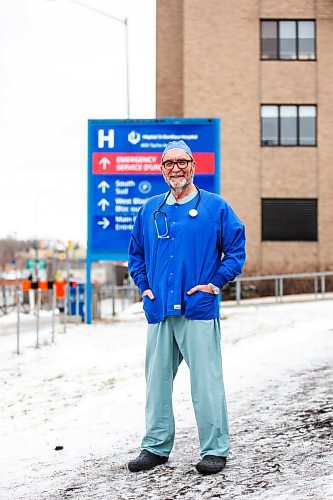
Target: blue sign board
{"type": "Point", "coordinates": [124, 171]}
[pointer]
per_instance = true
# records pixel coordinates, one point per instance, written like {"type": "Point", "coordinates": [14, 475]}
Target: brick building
{"type": "Point", "coordinates": [266, 69]}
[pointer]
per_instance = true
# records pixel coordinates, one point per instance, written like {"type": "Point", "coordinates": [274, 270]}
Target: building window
{"type": "Point", "coordinates": [288, 125]}
{"type": "Point", "coordinates": [288, 40]}
{"type": "Point", "coordinates": [287, 219]}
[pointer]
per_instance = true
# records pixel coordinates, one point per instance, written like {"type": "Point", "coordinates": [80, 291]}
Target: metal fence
{"type": "Point", "coordinates": [319, 281]}
{"type": "Point", "coordinates": [61, 310]}
{"type": "Point", "coordinates": [119, 298]}
{"type": "Point", "coordinates": [242, 291]}
{"type": "Point", "coordinates": [7, 299]}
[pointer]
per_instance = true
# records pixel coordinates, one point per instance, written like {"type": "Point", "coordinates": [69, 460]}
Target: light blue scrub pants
{"type": "Point", "coordinates": [198, 342]}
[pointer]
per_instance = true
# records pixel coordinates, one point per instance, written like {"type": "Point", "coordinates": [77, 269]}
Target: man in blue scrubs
{"type": "Point", "coordinates": [185, 246]}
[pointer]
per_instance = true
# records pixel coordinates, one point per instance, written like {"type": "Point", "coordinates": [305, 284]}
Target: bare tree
{"type": "Point", "coordinates": [9, 247]}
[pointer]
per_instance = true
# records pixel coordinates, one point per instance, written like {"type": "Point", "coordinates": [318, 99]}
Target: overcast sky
{"type": "Point", "coordinates": [60, 64]}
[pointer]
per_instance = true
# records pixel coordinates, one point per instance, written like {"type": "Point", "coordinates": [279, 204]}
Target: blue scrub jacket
{"type": "Point", "coordinates": [208, 248]}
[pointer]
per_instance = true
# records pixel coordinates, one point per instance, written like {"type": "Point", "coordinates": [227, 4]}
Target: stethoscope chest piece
{"type": "Point", "coordinates": [161, 220]}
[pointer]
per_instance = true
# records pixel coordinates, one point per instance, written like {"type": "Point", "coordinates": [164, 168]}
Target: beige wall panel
{"type": "Point", "coordinates": [251, 220]}
{"type": "Point", "coordinates": [217, 34]}
{"type": "Point", "coordinates": [324, 10]}
{"type": "Point", "coordinates": [217, 72]}
{"type": "Point", "coordinates": [288, 82]}
{"type": "Point", "coordinates": [286, 9]}
{"type": "Point", "coordinates": [289, 173]}
{"type": "Point", "coordinates": [169, 53]}
{"type": "Point", "coordinates": [216, 37]}
{"type": "Point", "coordinates": [289, 257]}
{"type": "Point", "coordinates": [325, 150]}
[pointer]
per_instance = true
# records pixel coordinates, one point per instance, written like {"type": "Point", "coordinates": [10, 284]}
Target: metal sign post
{"type": "Point", "coordinates": [39, 303]}
{"type": "Point", "coordinates": [18, 324]}
{"type": "Point", "coordinates": [54, 304]}
{"type": "Point", "coordinates": [65, 308]}
{"type": "Point", "coordinates": [124, 171]}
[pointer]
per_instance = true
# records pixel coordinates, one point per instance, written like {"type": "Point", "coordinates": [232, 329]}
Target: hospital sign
{"type": "Point", "coordinates": [124, 160]}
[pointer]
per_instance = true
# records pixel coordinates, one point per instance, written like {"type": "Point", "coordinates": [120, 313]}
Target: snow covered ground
{"type": "Point", "coordinates": [85, 395]}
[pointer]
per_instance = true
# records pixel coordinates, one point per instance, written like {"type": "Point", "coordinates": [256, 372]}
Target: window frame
{"type": "Point", "coordinates": [297, 40]}
{"type": "Point", "coordinates": [297, 145]}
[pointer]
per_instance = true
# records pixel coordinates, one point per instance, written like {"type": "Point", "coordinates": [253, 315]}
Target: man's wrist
{"type": "Point", "coordinates": [143, 286]}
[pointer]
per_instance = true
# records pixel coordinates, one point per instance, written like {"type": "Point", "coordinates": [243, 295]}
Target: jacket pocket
{"type": "Point", "coordinates": [202, 305]}
{"type": "Point", "coordinates": [149, 307]}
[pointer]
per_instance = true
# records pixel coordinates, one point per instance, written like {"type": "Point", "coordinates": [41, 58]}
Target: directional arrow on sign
{"type": "Point", "coordinates": [103, 186]}
{"type": "Point", "coordinates": [104, 162]}
{"type": "Point", "coordinates": [103, 203]}
{"type": "Point", "coordinates": [104, 222]}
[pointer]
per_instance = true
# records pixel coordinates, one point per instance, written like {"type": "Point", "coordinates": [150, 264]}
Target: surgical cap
{"type": "Point", "coordinates": [177, 145]}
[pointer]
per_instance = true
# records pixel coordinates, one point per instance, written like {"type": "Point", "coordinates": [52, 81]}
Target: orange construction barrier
{"type": "Point", "coordinates": [43, 285]}
{"type": "Point", "coordinates": [60, 289]}
{"type": "Point", "coordinates": [25, 285]}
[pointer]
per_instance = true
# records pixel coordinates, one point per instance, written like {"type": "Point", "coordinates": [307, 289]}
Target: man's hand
{"type": "Point", "coordinates": [200, 288]}
{"type": "Point", "coordinates": [149, 293]}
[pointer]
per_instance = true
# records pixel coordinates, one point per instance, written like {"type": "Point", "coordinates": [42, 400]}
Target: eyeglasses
{"type": "Point", "coordinates": [182, 163]}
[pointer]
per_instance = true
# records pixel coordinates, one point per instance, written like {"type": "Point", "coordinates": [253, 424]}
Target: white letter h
{"type": "Point", "coordinates": [102, 138]}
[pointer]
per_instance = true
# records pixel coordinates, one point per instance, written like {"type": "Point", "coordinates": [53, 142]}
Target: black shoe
{"type": "Point", "coordinates": [211, 464]}
{"type": "Point", "coordinates": [146, 461]}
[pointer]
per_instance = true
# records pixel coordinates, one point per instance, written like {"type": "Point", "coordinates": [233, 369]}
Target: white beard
{"type": "Point", "coordinates": [179, 185]}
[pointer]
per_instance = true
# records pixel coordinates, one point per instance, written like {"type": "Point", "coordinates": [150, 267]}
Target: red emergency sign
{"type": "Point", "coordinates": [144, 163]}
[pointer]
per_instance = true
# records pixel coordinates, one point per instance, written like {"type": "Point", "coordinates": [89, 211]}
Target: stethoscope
{"type": "Point", "coordinates": [159, 213]}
